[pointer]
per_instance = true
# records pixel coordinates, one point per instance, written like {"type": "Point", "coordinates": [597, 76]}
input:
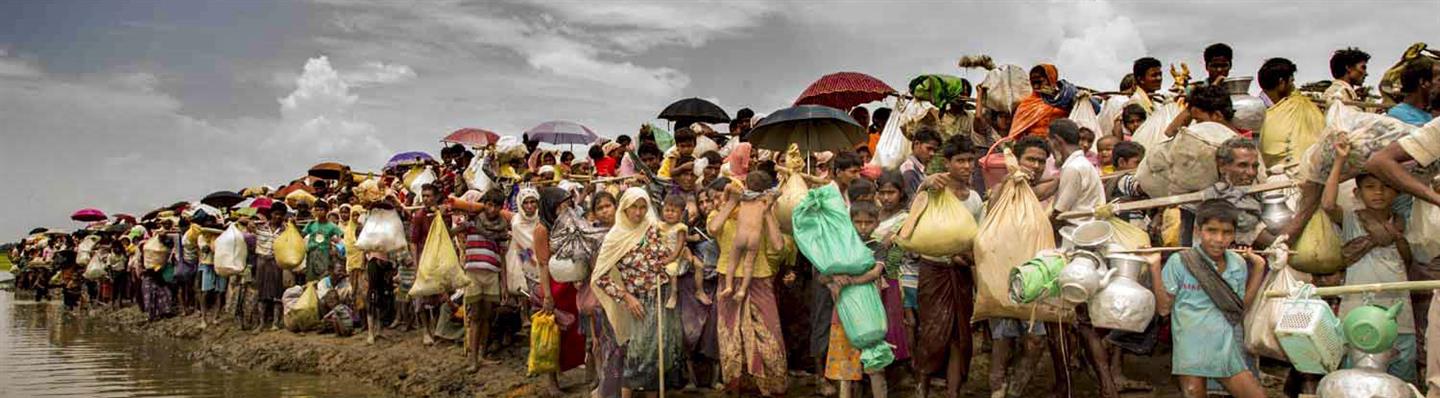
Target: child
{"type": "Point", "coordinates": [843, 363]}
{"type": "Point", "coordinates": [1087, 141]}
{"type": "Point", "coordinates": [676, 233]}
{"type": "Point", "coordinates": [900, 269]}
{"type": "Point", "coordinates": [861, 190]}
{"type": "Point", "coordinates": [269, 277]}
{"type": "Point", "coordinates": [1207, 288]}
{"type": "Point", "coordinates": [341, 318]}
{"type": "Point", "coordinates": [481, 237]}
{"type": "Point", "coordinates": [1104, 150]}
{"type": "Point", "coordinates": [1376, 251]}
{"type": "Point", "coordinates": [754, 217]}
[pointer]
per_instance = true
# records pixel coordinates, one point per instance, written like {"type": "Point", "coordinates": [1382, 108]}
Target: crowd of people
{"type": "Point", "coordinates": [663, 261]}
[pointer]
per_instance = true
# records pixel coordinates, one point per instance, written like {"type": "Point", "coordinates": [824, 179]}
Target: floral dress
{"type": "Point", "coordinates": [642, 274]}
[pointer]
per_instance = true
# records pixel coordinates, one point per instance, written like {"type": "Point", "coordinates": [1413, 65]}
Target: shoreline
{"type": "Point", "coordinates": [399, 363]}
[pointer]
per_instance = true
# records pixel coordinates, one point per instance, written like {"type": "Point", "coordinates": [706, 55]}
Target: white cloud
{"type": "Point", "coordinates": [14, 67]}
{"type": "Point", "coordinates": [1097, 44]}
{"type": "Point", "coordinates": [375, 73]}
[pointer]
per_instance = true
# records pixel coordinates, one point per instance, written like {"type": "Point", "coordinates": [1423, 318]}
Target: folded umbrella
{"type": "Point", "coordinates": [223, 199]}
{"type": "Point", "coordinates": [690, 110]}
{"type": "Point", "coordinates": [472, 137]}
{"type": "Point", "coordinates": [88, 215]}
{"type": "Point", "coordinates": [814, 128]}
{"type": "Point", "coordinates": [561, 132]}
{"type": "Point", "coordinates": [844, 90]}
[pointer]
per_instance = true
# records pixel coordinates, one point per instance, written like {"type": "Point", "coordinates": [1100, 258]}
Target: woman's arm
{"type": "Point", "coordinates": [717, 222]}
{"type": "Point", "coordinates": [541, 246]}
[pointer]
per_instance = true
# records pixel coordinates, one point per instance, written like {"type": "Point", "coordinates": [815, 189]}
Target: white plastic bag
{"type": "Point", "coordinates": [1152, 132]}
{"type": "Point", "coordinates": [425, 177]}
{"type": "Point", "coordinates": [1005, 87]}
{"type": "Point", "coordinates": [1110, 113]}
{"type": "Point", "coordinates": [1424, 227]}
{"type": "Point", "coordinates": [475, 176]}
{"type": "Point", "coordinates": [1083, 114]}
{"type": "Point", "coordinates": [86, 249]}
{"type": "Point", "coordinates": [230, 252]}
{"type": "Point", "coordinates": [567, 270]}
{"type": "Point", "coordinates": [95, 269]}
{"type": "Point", "coordinates": [1261, 317]}
{"type": "Point", "coordinates": [893, 148]}
{"type": "Point", "coordinates": [383, 232]}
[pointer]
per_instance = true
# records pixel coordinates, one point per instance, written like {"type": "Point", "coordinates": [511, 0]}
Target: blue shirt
{"type": "Point", "coordinates": [1409, 114]}
{"type": "Point", "coordinates": [1206, 345]}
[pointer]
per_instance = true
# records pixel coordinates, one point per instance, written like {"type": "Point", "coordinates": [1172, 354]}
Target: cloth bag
{"type": "Point", "coordinates": [1318, 250]}
{"type": "Point", "coordinates": [1152, 131]}
{"type": "Point", "coordinates": [290, 248]}
{"type": "Point", "coordinates": [1422, 232]}
{"type": "Point", "coordinates": [792, 191]}
{"type": "Point", "coordinates": [544, 345]}
{"type": "Point", "coordinates": [1185, 163]}
{"type": "Point", "coordinates": [826, 236]}
{"type": "Point", "coordinates": [1016, 228]}
{"type": "Point", "coordinates": [1262, 317]}
{"type": "Point", "coordinates": [230, 252]}
{"type": "Point", "coordinates": [944, 227]}
{"type": "Point", "coordinates": [383, 232]}
{"type": "Point", "coordinates": [1367, 132]}
{"type": "Point", "coordinates": [1005, 87]}
{"type": "Point", "coordinates": [1127, 234]}
{"type": "Point", "coordinates": [86, 248]}
{"type": "Point", "coordinates": [440, 270]}
{"type": "Point", "coordinates": [1290, 128]}
{"type": "Point", "coordinates": [863, 315]}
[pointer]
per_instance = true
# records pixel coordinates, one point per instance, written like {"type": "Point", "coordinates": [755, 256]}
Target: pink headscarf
{"type": "Point", "coordinates": [739, 160]}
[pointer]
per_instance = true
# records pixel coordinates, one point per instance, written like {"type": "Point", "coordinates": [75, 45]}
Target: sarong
{"type": "Point", "coordinates": [947, 300]}
{"type": "Point", "coordinates": [642, 354]}
{"type": "Point", "coordinates": [750, 340]}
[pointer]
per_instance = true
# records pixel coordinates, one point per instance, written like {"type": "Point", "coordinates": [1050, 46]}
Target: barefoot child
{"type": "Point", "coordinates": [752, 208]}
{"type": "Point", "coordinates": [843, 364]}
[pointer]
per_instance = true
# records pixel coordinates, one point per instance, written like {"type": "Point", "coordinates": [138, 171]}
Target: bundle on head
{"type": "Point", "coordinates": [981, 61]}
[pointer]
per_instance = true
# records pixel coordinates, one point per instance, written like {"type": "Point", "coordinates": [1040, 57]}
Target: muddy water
{"type": "Point", "coordinates": [47, 353]}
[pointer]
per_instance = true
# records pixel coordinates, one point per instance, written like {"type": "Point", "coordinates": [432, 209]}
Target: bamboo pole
{"type": "Point", "coordinates": [1176, 200]}
{"type": "Point", "coordinates": [1365, 288]}
{"type": "Point", "coordinates": [1152, 250]}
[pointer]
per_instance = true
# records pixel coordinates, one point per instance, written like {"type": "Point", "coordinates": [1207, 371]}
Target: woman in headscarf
{"type": "Point", "coordinates": [556, 211]}
{"type": "Point", "coordinates": [520, 269]}
{"type": "Point", "coordinates": [752, 345]}
{"type": "Point", "coordinates": [630, 284]}
{"type": "Point", "coordinates": [1050, 99]}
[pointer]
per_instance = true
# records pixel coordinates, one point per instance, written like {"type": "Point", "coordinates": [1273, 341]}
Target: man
{"type": "Point", "coordinates": [740, 125]}
{"type": "Point", "coordinates": [1238, 161]}
{"type": "Point", "coordinates": [1079, 186]}
{"type": "Point", "coordinates": [1420, 81]}
{"type": "Point", "coordinates": [1148, 78]}
{"type": "Point", "coordinates": [922, 147]}
{"type": "Point", "coordinates": [946, 289]}
{"type": "Point", "coordinates": [1217, 62]}
{"type": "Point", "coordinates": [1348, 67]}
{"type": "Point", "coordinates": [1277, 80]}
{"type": "Point", "coordinates": [846, 167]}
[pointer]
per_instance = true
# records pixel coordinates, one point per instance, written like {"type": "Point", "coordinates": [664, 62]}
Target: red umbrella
{"type": "Point", "coordinates": [88, 215]}
{"type": "Point", "coordinates": [472, 137]}
{"type": "Point", "coordinates": [297, 185]}
{"type": "Point", "coordinates": [844, 90]}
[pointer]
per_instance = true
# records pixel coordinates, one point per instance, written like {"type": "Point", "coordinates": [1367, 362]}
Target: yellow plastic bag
{"type": "Point", "coordinates": [1015, 229]}
{"type": "Point", "coordinates": [1318, 250]}
{"type": "Point", "coordinates": [790, 196]}
{"type": "Point", "coordinates": [440, 270]}
{"type": "Point", "coordinates": [289, 247]}
{"type": "Point", "coordinates": [1170, 227]}
{"type": "Point", "coordinates": [1128, 234]}
{"type": "Point", "coordinates": [943, 228]}
{"type": "Point", "coordinates": [299, 196]}
{"type": "Point", "coordinates": [155, 253]}
{"type": "Point", "coordinates": [1291, 127]}
{"type": "Point", "coordinates": [544, 344]}
{"type": "Point", "coordinates": [305, 313]}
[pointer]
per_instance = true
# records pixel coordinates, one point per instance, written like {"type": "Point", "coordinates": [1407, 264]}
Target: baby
{"type": "Point", "coordinates": [753, 217]}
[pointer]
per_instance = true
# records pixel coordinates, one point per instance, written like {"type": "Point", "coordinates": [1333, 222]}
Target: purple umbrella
{"type": "Point", "coordinates": [561, 132]}
{"type": "Point", "coordinates": [407, 159]}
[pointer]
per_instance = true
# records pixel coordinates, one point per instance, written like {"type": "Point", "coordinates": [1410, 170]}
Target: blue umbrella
{"type": "Point", "coordinates": [407, 159]}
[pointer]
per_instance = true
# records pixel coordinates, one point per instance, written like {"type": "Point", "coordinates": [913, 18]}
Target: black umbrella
{"type": "Point", "coordinates": [815, 128]}
{"type": "Point", "coordinates": [694, 110]}
{"type": "Point", "coordinates": [223, 199]}
{"type": "Point", "coordinates": [40, 230]}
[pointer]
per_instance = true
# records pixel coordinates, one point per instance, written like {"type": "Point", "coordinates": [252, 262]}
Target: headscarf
{"type": "Point", "coordinates": [550, 199]}
{"type": "Point", "coordinates": [522, 226]}
{"type": "Point", "coordinates": [623, 237]}
{"type": "Point", "coordinates": [1034, 113]}
{"type": "Point", "coordinates": [739, 160]}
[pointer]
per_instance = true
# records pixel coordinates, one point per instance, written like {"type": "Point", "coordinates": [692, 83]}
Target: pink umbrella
{"type": "Point", "coordinates": [88, 215]}
{"type": "Point", "coordinates": [472, 137]}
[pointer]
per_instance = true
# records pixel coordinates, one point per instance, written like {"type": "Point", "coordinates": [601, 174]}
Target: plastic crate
{"type": "Point", "coordinates": [1310, 334]}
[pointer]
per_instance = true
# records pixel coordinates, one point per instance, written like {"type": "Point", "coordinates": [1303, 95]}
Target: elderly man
{"type": "Point", "coordinates": [1238, 162]}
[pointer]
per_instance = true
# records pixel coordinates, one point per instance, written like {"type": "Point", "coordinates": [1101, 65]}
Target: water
{"type": "Point", "coordinates": [46, 353]}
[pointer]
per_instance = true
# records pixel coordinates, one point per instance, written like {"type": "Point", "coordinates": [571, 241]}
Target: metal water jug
{"type": "Point", "coordinates": [1122, 303]}
{"type": "Point", "coordinates": [1275, 212]}
{"type": "Point", "coordinates": [1249, 109]}
{"type": "Point", "coordinates": [1367, 379]}
{"type": "Point", "coordinates": [1081, 276]}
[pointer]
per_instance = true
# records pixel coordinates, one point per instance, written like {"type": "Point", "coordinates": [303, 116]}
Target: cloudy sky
{"type": "Point", "coordinates": [129, 105]}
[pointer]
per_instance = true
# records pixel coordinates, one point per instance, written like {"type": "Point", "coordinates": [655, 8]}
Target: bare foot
{"type": "Point", "coordinates": [724, 293]}
{"type": "Point", "coordinates": [827, 389]}
{"type": "Point", "coordinates": [370, 340]}
{"type": "Point", "coordinates": [740, 296]}
{"type": "Point", "coordinates": [428, 340]}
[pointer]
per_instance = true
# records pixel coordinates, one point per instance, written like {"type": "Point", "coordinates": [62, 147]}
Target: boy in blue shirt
{"type": "Point", "coordinates": [1205, 291]}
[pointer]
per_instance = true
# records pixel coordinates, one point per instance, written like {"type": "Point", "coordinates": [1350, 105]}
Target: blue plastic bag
{"type": "Point", "coordinates": [824, 233]}
{"type": "Point", "coordinates": [863, 316]}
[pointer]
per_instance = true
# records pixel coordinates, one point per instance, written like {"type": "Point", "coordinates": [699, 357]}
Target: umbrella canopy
{"type": "Point", "coordinates": [560, 132]}
{"type": "Point", "coordinates": [118, 228]}
{"type": "Point", "coordinates": [328, 170]}
{"type": "Point", "coordinates": [88, 215]}
{"type": "Point", "coordinates": [472, 137]}
{"type": "Point", "coordinates": [694, 110]}
{"type": "Point", "coordinates": [124, 218]}
{"type": "Point", "coordinates": [814, 128]}
{"type": "Point", "coordinates": [407, 159]}
{"type": "Point", "coordinates": [38, 231]}
{"type": "Point", "coordinates": [295, 186]}
{"type": "Point", "coordinates": [844, 90]}
{"type": "Point", "coordinates": [262, 203]}
{"type": "Point", "coordinates": [223, 199]}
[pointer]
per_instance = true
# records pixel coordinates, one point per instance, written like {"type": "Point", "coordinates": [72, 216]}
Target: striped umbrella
{"type": "Point", "coordinates": [844, 90]}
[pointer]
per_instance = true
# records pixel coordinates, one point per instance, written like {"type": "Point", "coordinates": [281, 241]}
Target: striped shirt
{"type": "Point", "coordinates": [482, 250]}
{"type": "Point", "coordinates": [265, 240]}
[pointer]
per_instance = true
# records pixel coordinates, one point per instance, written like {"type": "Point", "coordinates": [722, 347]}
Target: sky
{"type": "Point", "coordinates": [127, 106]}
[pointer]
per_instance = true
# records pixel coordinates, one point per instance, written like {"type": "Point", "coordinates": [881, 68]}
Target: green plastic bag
{"type": "Point", "coordinates": [863, 316]}
{"type": "Point", "coordinates": [825, 234]}
{"type": "Point", "coordinates": [663, 139]}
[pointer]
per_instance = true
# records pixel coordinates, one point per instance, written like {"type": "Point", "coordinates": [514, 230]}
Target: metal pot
{"type": "Point", "coordinates": [1275, 212]}
{"type": "Point", "coordinates": [1081, 277]}
{"type": "Point", "coordinates": [1366, 380]}
{"type": "Point", "coordinates": [1091, 235]}
{"type": "Point", "coordinates": [1249, 109]}
{"type": "Point", "coordinates": [1122, 302]}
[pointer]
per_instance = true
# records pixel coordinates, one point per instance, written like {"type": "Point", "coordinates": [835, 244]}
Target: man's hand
{"type": "Point", "coordinates": [936, 182]}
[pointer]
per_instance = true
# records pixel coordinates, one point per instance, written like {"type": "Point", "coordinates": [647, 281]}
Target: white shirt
{"type": "Point", "coordinates": [1080, 187]}
{"type": "Point", "coordinates": [1339, 90]}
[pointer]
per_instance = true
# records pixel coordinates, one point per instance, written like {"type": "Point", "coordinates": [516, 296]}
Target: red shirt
{"type": "Point", "coordinates": [605, 167]}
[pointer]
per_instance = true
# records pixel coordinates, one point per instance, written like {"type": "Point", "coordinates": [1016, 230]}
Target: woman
{"type": "Point", "coordinates": [607, 357]}
{"type": "Point", "coordinates": [520, 270]}
{"type": "Point", "coordinates": [556, 211]}
{"type": "Point", "coordinates": [269, 277]}
{"type": "Point", "coordinates": [629, 282]}
{"type": "Point", "coordinates": [751, 340]}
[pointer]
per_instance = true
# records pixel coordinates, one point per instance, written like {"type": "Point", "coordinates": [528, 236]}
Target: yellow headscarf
{"type": "Point", "coordinates": [622, 238]}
